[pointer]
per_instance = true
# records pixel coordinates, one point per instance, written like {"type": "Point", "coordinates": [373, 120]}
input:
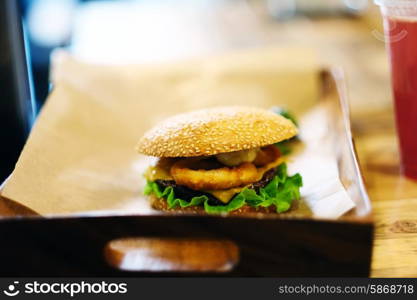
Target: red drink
{"type": "Point", "coordinates": [402, 34]}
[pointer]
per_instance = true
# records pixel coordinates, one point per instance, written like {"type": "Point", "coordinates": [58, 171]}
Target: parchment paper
{"type": "Point", "coordinates": [80, 158]}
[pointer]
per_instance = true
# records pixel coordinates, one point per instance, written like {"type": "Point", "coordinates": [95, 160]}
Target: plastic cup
{"type": "Point", "coordinates": [400, 26]}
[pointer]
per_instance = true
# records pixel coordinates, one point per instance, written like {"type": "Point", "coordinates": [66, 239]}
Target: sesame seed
{"type": "Point", "coordinates": [215, 130]}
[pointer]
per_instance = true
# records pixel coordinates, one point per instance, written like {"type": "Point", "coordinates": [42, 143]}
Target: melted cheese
{"type": "Point", "coordinates": [225, 195]}
{"type": "Point", "coordinates": [161, 171]}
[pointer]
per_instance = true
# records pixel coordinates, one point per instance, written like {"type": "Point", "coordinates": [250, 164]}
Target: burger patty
{"type": "Point", "coordinates": [187, 194]}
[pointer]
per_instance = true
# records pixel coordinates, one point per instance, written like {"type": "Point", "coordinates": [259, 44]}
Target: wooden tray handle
{"type": "Point", "coordinates": [172, 254]}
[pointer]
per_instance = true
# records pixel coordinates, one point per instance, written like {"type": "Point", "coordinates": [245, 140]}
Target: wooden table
{"type": "Point", "coordinates": [394, 197]}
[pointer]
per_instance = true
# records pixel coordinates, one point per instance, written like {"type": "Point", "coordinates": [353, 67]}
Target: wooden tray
{"type": "Point", "coordinates": [167, 245]}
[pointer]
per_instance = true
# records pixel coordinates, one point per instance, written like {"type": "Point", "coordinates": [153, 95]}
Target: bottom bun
{"type": "Point", "coordinates": [161, 204]}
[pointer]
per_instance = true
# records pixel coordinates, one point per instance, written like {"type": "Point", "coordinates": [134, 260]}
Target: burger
{"type": "Point", "coordinates": [220, 160]}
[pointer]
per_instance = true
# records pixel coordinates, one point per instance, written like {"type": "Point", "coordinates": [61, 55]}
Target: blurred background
{"type": "Point", "coordinates": [345, 33]}
{"type": "Point", "coordinates": [145, 31]}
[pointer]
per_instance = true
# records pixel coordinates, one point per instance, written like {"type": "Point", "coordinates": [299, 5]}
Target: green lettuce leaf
{"type": "Point", "coordinates": [284, 147]}
{"type": "Point", "coordinates": [169, 195]}
{"type": "Point", "coordinates": [237, 202]}
{"type": "Point", "coordinates": [280, 192]}
{"type": "Point", "coordinates": [285, 113]}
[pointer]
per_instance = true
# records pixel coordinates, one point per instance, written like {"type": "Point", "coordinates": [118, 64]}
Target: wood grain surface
{"type": "Point", "coordinates": [394, 197]}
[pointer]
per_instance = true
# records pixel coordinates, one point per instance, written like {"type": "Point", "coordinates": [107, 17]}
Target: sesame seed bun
{"type": "Point", "coordinates": [215, 130]}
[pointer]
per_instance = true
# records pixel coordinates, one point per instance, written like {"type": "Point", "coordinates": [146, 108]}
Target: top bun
{"type": "Point", "coordinates": [215, 130]}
